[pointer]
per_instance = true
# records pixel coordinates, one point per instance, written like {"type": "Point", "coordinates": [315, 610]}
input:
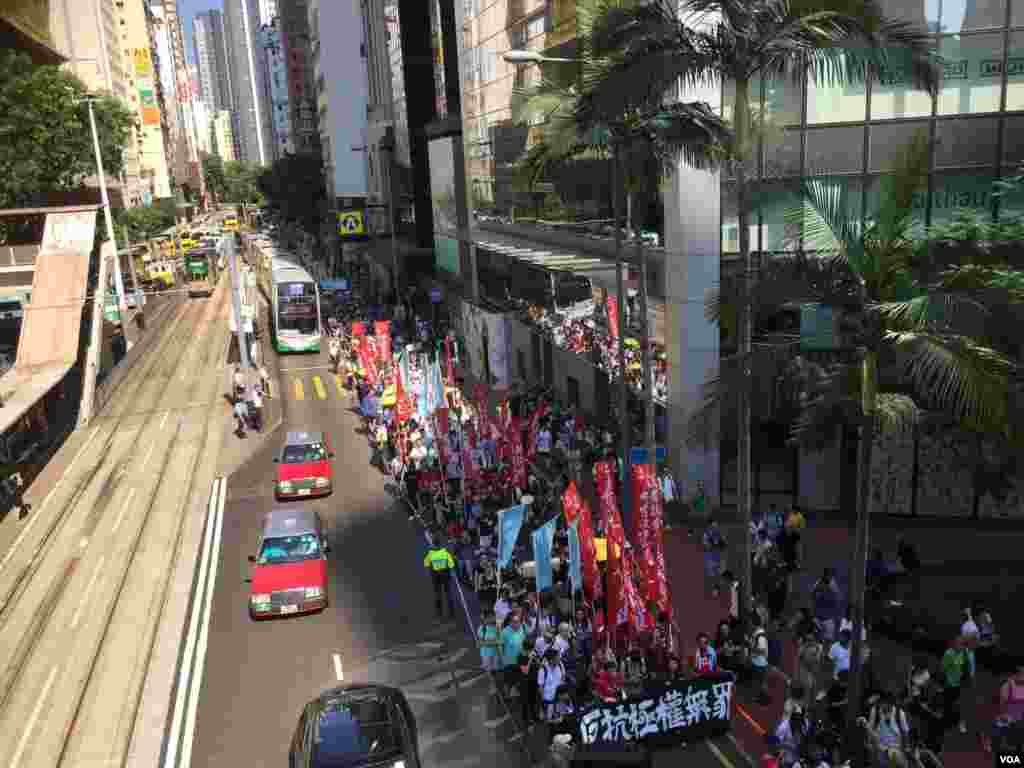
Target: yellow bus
{"type": "Point", "coordinates": [231, 225]}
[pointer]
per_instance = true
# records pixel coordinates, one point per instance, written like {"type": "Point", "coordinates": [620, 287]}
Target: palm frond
{"type": "Point", "coordinates": [895, 413]}
{"type": "Point", "coordinates": [693, 131]}
{"type": "Point", "coordinates": [832, 399]}
{"type": "Point", "coordinates": [702, 427]}
{"type": "Point", "coordinates": [934, 310]}
{"type": "Point", "coordinates": [826, 217]}
{"type": "Point", "coordinates": [908, 177]}
{"type": "Point", "coordinates": [976, 278]}
{"type": "Point", "coordinates": [957, 375]}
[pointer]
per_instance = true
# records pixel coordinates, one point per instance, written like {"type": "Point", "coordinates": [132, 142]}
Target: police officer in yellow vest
{"type": "Point", "coordinates": [440, 562]}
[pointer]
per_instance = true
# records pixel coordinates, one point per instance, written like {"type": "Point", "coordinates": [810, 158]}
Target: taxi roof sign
{"type": "Point", "coordinates": [350, 223]}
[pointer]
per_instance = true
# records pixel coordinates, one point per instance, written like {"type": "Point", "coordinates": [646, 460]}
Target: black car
{"type": "Point", "coordinates": [355, 726]}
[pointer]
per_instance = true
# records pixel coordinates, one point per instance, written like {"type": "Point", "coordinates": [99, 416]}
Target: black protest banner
{"type": "Point", "coordinates": [685, 711]}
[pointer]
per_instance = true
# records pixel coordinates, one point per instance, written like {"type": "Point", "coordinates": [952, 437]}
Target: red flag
{"type": "Point", "coordinates": [613, 317]}
{"type": "Point", "coordinates": [644, 492]}
{"type": "Point", "coordinates": [382, 332]}
{"type": "Point", "coordinates": [358, 328]}
{"type": "Point", "coordinates": [588, 554]}
{"type": "Point", "coordinates": [520, 476]}
{"type": "Point", "coordinates": [571, 503]}
{"type": "Point", "coordinates": [403, 408]}
{"type": "Point", "coordinates": [662, 598]}
{"type": "Point", "coordinates": [604, 480]}
{"type": "Point", "coordinates": [368, 359]}
{"type": "Point", "coordinates": [617, 603]}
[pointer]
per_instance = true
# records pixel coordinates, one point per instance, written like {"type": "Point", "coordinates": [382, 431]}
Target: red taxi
{"type": "Point", "coordinates": [289, 574]}
{"type": "Point", "coordinates": [304, 466]}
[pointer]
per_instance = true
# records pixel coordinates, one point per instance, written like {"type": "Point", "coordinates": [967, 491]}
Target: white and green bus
{"type": "Point", "coordinates": [296, 303]}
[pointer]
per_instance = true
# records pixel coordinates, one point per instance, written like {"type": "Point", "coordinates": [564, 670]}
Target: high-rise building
{"type": "Point", "coordinates": [294, 20]}
{"type": "Point", "coordinates": [276, 79]}
{"type": "Point", "coordinates": [211, 59]}
{"type": "Point", "coordinates": [268, 11]}
{"type": "Point", "coordinates": [248, 75]}
{"type": "Point", "coordinates": [223, 137]}
{"type": "Point", "coordinates": [146, 162]}
{"type": "Point", "coordinates": [92, 40]}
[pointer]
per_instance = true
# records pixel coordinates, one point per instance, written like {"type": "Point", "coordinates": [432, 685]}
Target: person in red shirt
{"type": "Point", "coordinates": [705, 660]}
{"type": "Point", "coordinates": [608, 682]}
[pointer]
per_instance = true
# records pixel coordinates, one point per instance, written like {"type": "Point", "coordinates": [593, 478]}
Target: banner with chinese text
{"type": "Point", "coordinates": [681, 712]}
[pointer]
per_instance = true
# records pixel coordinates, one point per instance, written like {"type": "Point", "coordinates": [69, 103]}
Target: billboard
{"type": "Point", "coordinates": [148, 106]}
{"type": "Point", "coordinates": [143, 62]}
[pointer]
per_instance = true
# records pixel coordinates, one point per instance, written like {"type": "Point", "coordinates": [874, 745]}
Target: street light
{"type": "Point", "coordinates": [532, 57]}
{"type": "Point", "coordinates": [122, 305]}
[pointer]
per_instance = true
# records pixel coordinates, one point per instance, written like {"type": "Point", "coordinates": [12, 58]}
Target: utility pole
{"type": "Point", "coordinates": [92, 360]}
{"type": "Point", "coordinates": [236, 305]}
{"type": "Point", "coordinates": [122, 305]}
{"type": "Point", "coordinates": [626, 437]}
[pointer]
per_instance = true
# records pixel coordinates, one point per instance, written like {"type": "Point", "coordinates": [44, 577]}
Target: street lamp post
{"type": "Point", "coordinates": [122, 305]}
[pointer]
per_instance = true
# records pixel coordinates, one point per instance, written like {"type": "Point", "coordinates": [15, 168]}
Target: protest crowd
{"type": "Point", "coordinates": [576, 621]}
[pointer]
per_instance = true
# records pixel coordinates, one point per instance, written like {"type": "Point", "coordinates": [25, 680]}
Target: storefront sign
{"type": "Point", "coordinates": [697, 710]}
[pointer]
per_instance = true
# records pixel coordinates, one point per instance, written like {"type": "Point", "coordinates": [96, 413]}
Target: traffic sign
{"type": "Point", "coordinates": [350, 224]}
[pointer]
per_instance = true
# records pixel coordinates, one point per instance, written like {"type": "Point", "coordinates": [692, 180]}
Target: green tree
{"type": "Point", "coordinates": [216, 181]}
{"type": "Point", "coordinates": [240, 182]}
{"type": "Point", "coordinates": [921, 336]}
{"type": "Point", "coordinates": [45, 138]}
{"type": "Point", "coordinates": [144, 222]}
{"type": "Point", "coordinates": [294, 185]}
{"type": "Point", "coordinates": [643, 49]}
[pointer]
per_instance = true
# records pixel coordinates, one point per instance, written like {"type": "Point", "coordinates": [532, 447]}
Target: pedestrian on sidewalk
{"type": "Point", "coordinates": [257, 410]}
{"type": "Point", "coordinates": [758, 644]}
{"type": "Point", "coordinates": [490, 644]}
{"type": "Point", "coordinates": [826, 598]}
{"type": "Point", "coordinates": [239, 379]}
{"type": "Point", "coordinates": [956, 673]}
{"type": "Point", "coordinates": [241, 414]}
{"type": "Point", "coordinates": [265, 381]}
{"type": "Point", "coordinates": [796, 523]}
{"type": "Point", "coordinates": [714, 555]}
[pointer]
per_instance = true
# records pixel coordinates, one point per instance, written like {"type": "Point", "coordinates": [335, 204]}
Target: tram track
{"type": "Point", "coordinates": [195, 329]}
{"type": "Point", "coordinates": [12, 591]}
{"type": "Point", "coordinates": [118, 747]}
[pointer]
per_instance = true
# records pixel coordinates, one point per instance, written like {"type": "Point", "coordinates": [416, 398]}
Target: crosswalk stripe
{"type": "Point", "coordinates": [339, 381]}
{"type": "Point", "coordinates": [318, 385]}
{"type": "Point", "coordinates": [270, 388]}
{"type": "Point", "coordinates": [300, 394]}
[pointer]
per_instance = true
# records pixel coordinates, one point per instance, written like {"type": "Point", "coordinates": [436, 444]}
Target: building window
{"type": "Point", "coordinates": [973, 73]}
{"type": "Point", "coordinates": [1015, 76]}
{"type": "Point", "coordinates": [966, 142]}
{"type": "Point", "coordinates": [835, 103]}
{"type": "Point", "coordinates": [779, 197]}
{"type": "Point", "coordinates": [889, 142]}
{"type": "Point", "coordinates": [835, 150]}
{"type": "Point", "coordinates": [893, 96]}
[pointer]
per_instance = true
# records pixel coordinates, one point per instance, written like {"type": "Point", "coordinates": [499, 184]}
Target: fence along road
{"type": "Point", "coordinates": [82, 594]}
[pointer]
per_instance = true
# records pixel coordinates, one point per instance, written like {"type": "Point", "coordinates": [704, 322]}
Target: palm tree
{"type": "Point", "coordinates": [645, 49]}
{"type": "Point", "coordinates": [923, 345]}
{"type": "Point", "coordinates": [633, 139]}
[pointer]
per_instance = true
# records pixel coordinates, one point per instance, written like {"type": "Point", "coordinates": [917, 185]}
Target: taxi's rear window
{"type": "Point", "coordinates": [302, 454]}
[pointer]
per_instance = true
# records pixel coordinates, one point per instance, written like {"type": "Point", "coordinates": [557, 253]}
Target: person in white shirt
{"type": "Point", "coordinates": [549, 678]}
{"type": "Point", "coordinates": [563, 640]}
{"type": "Point", "coordinates": [544, 440]}
{"type": "Point", "coordinates": [502, 607]}
{"type": "Point", "coordinates": [970, 627]}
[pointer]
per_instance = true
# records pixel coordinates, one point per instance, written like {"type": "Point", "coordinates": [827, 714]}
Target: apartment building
{"type": "Point", "coordinates": [294, 20]}
{"type": "Point", "coordinates": [246, 64]}
{"type": "Point", "coordinates": [223, 138]}
{"type": "Point", "coordinates": [211, 59]}
{"type": "Point", "coordinates": [277, 92]}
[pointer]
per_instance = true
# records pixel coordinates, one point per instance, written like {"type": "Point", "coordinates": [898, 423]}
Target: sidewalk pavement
{"type": "Point", "coordinates": [697, 611]}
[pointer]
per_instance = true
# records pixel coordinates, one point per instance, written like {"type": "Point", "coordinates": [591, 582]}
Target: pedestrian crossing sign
{"type": "Point", "coordinates": [350, 224]}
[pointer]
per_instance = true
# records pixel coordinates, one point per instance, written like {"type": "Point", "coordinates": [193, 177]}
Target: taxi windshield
{"type": "Point", "coordinates": [289, 549]}
{"type": "Point", "coordinates": [303, 454]}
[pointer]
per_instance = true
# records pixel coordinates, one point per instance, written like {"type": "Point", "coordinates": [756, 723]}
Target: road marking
{"type": "Point", "coordinates": [88, 593]}
{"type": "Point", "coordinates": [185, 672]}
{"type": "Point", "coordinates": [338, 671]}
{"type": "Point", "coordinates": [164, 419]}
{"type": "Point", "coordinates": [270, 388]}
{"type": "Point", "coordinates": [149, 455]}
{"type": "Point", "coordinates": [318, 385]}
{"type": "Point", "coordinates": [204, 632]}
{"type": "Point", "coordinates": [339, 381]}
{"type": "Point", "coordinates": [299, 392]}
{"type": "Point", "coordinates": [310, 368]}
{"type": "Point", "coordinates": [23, 741]}
{"type": "Point", "coordinates": [718, 753]}
{"type": "Point", "coordinates": [16, 547]}
{"type": "Point", "coordinates": [124, 507]}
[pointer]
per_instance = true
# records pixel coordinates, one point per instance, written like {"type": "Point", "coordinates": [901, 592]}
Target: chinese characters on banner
{"type": "Point", "coordinates": [519, 473]}
{"type": "Point", "coordinates": [697, 710]}
{"type": "Point", "coordinates": [604, 481]}
{"type": "Point", "coordinates": [382, 332]}
{"type": "Point", "coordinates": [577, 509]}
{"type": "Point", "coordinates": [613, 317]}
{"type": "Point", "coordinates": [649, 537]}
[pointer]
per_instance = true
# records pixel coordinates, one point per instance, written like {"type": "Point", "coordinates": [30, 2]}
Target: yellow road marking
{"type": "Point", "coordinates": [339, 380]}
{"type": "Point", "coordinates": [299, 392]}
{"type": "Point", "coordinates": [321, 390]}
{"type": "Point", "coordinates": [270, 388]}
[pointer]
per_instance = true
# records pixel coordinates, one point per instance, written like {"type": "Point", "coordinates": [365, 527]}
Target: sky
{"type": "Point", "coordinates": [186, 10]}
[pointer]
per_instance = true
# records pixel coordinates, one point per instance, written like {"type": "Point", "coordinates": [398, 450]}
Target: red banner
{"type": "Point", "coordinates": [604, 480]}
{"type": "Point", "coordinates": [572, 504]}
{"type": "Point", "coordinates": [519, 471]}
{"type": "Point", "coordinates": [403, 408]}
{"type": "Point", "coordinates": [588, 554]}
{"type": "Point", "coordinates": [641, 503]}
{"type": "Point", "coordinates": [368, 360]}
{"type": "Point", "coordinates": [613, 316]}
{"type": "Point", "coordinates": [358, 329]}
{"type": "Point", "coordinates": [618, 605]}
{"type": "Point", "coordinates": [531, 445]}
{"type": "Point", "coordinates": [661, 598]}
{"type": "Point", "coordinates": [649, 538]}
{"type": "Point", "coordinates": [382, 332]}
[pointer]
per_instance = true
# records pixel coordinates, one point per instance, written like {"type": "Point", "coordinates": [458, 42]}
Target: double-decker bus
{"type": "Point", "coordinates": [201, 271]}
{"type": "Point", "coordinates": [296, 307]}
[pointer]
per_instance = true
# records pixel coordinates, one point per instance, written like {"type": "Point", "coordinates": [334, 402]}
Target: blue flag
{"type": "Point", "coordinates": [543, 538]}
{"type": "Point", "coordinates": [575, 561]}
{"type": "Point", "coordinates": [437, 384]}
{"type": "Point", "coordinates": [509, 522]}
